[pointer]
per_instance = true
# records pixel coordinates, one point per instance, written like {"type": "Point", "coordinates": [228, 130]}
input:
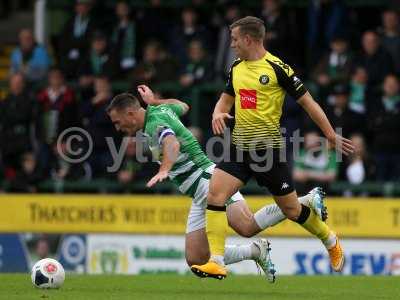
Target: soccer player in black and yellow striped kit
{"type": "Point", "coordinates": [257, 85]}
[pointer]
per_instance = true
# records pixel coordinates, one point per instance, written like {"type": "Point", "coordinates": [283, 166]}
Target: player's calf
{"type": "Point", "coordinates": [241, 219]}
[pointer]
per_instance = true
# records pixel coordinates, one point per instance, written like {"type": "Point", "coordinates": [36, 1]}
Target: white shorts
{"type": "Point", "coordinates": [197, 214]}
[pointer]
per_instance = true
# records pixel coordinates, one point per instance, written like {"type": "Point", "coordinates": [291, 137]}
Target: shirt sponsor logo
{"type": "Point", "coordinates": [248, 99]}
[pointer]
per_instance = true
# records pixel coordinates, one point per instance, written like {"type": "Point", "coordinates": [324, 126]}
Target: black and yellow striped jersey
{"type": "Point", "coordinates": [259, 88]}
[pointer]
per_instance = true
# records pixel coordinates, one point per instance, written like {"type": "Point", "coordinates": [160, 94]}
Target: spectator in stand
{"type": "Point", "coordinates": [61, 170]}
{"type": "Point", "coordinates": [390, 36]}
{"type": "Point", "coordinates": [326, 19]}
{"type": "Point", "coordinates": [184, 33]}
{"type": "Point", "coordinates": [98, 61]}
{"type": "Point", "coordinates": [278, 35]}
{"type": "Point", "coordinates": [335, 65]}
{"type": "Point", "coordinates": [18, 114]}
{"type": "Point", "coordinates": [341, 116]}
{"type": "Point", "coordinates": [58, 111]}
{"type": "Point", "coordinates": [157, 66]}
{"type": "Point", "coordinates": [28, 176]}
{"type": "Point", "coordinates": [130, 166]}
{"type": "Point", "coordinates": [225, 54]}
{"type": "Point", "coordinates": [42, 248]}
{"type": "Point", "coordinates": [29, 58]}
{"type": "Point", "coordinates": [97, 124]}
{"type": "Point", "coordinates": [198, 67]}
{"type": "Point", "coordinates": [151, 19]}
{"type": "Point", "coordinates": [384, 120]}
{"type": "Point", "coordinates": [197, 70]}
{"type": "Point", "coordinates": [358, 88]}
{"type": "Point", "coordinates": [375, 59]}
{"type": "Point", "coordinates": [389, 98]}
{"type": "Point", "coordinates": [124, 40]}
{"type": "Point", "coordinates": [358, 166]}
{"type": "Point", "coordinates": [74, 40]}
{"type": "Point", "coordinates": [314, 165]}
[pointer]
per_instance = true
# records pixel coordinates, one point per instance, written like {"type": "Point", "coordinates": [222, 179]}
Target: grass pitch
{"type": "Point", "coordinates": [160, 287]}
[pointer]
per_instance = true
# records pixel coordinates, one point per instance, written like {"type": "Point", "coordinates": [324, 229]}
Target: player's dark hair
{"type": "Point", "coordinates": [252, 26]}
{"type": "Point", "coordinates": [123, 101]}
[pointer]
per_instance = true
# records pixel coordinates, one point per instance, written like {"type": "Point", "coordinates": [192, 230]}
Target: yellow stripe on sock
{"type": "Point", "coordinates": [316, 226]}
{"type": "Point", "coordinates": [216, 229]}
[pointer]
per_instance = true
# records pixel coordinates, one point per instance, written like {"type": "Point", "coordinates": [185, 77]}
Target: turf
{"type": "Point", "coordinates": [77, 287]}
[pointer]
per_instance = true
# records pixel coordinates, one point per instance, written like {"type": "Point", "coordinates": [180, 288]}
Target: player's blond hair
{"type": "Point", "coordinates": [250, 25]}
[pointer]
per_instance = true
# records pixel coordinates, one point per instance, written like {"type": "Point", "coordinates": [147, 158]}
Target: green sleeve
{"type": "Point", "coordinates": [176, 108]}
{"type": "Point", "coordinates": [151, 125]}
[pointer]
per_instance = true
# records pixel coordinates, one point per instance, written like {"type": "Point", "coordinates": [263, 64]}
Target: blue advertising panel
{"type": "Point", "coordinates": [14, 256]}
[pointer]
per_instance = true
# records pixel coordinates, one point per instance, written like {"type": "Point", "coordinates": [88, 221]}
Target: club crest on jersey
{"type": "Point", "coordinates": [264, 79]}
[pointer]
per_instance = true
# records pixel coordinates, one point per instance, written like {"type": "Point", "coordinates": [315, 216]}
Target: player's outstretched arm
{"type": "Point", "coordinates": [221, 112]}
{"type": "Point", "coordinates": [318, 116]}
{"type": "Point", "coordinates": [170, 152]}
{"type": "Point", "coordinates": [149, 98]}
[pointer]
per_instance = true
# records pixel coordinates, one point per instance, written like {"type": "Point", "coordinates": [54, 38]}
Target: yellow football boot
{"type": "Point", "coordinates": [210, 269]}
{"type": "Point", "coordinates": [336, 256]}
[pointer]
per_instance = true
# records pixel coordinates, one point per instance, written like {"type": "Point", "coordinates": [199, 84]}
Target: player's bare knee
{"type": "Point", "coordinates": [215, 198]}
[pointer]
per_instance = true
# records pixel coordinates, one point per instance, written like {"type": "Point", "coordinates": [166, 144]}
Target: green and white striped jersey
{"type": "Point", "coordinates": [192, 167]}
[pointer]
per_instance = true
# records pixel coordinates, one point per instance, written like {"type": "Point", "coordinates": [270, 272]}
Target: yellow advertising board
{"type": "Point", "coordinates": [141, 214]}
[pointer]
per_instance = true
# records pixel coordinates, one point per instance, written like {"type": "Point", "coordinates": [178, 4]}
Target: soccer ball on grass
{"type": "Point", "coordinates": [48, 273]}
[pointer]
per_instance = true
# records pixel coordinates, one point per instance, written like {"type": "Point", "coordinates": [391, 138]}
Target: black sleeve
{"type": "Point", "coordinates": [229, 85]}
{"type": "Point", "coordinates": [291, 84]}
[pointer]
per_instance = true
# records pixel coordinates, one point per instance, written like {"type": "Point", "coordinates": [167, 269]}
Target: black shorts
{"type": "Point", "coordinates": [264, 165]}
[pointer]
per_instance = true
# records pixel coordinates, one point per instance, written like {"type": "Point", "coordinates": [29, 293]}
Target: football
{"type": "Point", "coordinates": [48, 273]}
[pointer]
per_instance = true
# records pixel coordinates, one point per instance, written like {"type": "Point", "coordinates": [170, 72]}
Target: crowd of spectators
{"type": "Point", "coordinates": [354, 75]}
